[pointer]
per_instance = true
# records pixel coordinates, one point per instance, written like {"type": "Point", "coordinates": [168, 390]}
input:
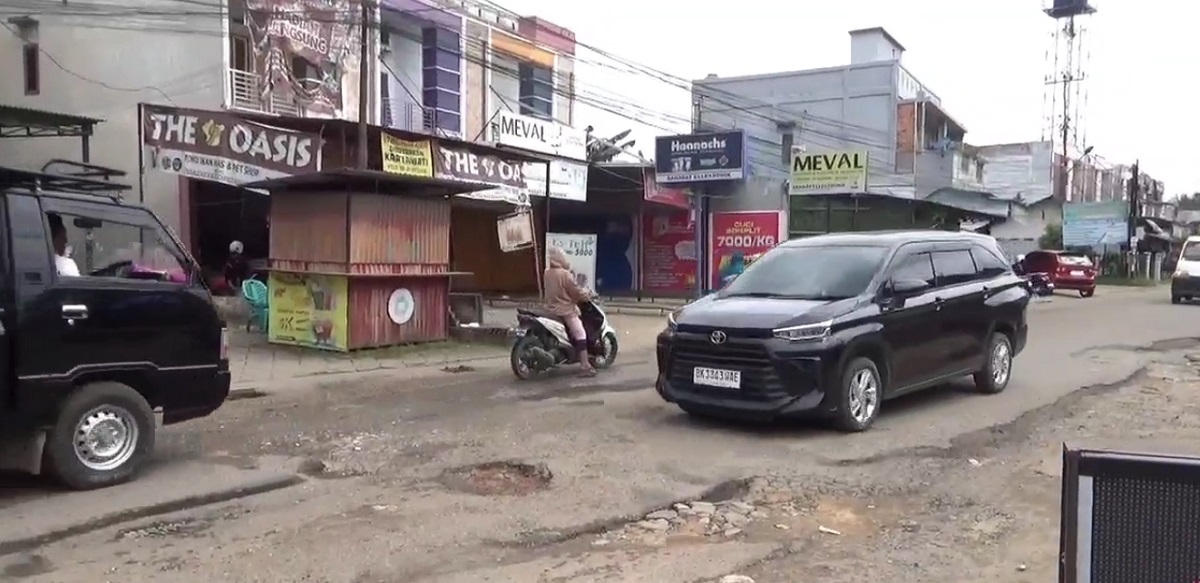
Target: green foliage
{"type": "Point", "coordinates": [1052, 237]}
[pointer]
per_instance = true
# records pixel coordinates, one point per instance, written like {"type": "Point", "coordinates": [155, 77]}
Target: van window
{"type": "Point", "coordinates": [1191, 251]}
{"type": "Point", "coordinates": [953, 267]}
{"type": "Point", "coordinates": [988, 264]}
{"type": "Point", "coordinates": [105, 248]}
{"type": "Point", "coordinates": [1075, 260]}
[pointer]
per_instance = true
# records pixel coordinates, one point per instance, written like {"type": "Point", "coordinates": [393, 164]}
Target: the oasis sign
{"type": "Point", "coordinates": [222, 147]}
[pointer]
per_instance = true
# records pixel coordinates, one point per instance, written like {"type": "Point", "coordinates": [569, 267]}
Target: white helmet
{"type": "Point", "coordinates": [235, 247]}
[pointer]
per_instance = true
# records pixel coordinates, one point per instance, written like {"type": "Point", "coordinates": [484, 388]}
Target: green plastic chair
{"type": "Point", "coordinates": [258, 298]}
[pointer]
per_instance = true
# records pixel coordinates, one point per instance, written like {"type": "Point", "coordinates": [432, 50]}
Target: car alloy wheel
{"type": "Point", "coordinates": [1001, 363]}
{"type": "Point", "coordinates": [864, 395]}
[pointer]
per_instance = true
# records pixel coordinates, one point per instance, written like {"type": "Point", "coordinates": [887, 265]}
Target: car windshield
{"type": "Point", "coordinates": [1191, 251]}
{"type": "Point", "coordinates": [818, 273]}
{"type": "Point", "coordinates": [1076, 260]}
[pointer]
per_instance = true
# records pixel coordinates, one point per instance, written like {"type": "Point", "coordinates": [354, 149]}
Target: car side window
{"type": "Point", "coordinates": [917, 266]}
{"type": "Point", "coordinates": [94, 245]}
{"type": "Point", "coordinates": [987, 263]}
{"type": "Point", "coordinates": [953, 267]}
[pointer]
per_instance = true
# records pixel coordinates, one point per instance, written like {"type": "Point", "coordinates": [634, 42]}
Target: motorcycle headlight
{"type": "Point", "coordinates": [804, 333]}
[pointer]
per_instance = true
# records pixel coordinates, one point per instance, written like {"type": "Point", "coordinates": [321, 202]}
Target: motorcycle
{"type": "Point", "coordinates": [541, 342]}
{"type": "Point", "coordinates": [1040, 284]}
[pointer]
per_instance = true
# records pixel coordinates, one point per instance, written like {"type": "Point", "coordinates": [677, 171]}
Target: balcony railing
{"type": "Point", "coordinates": [403, 114]}
{"type": "Point", "coordinates": [247, 95]}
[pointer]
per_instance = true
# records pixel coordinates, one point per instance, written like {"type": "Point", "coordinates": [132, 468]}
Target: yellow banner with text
{"type": "Point", "coordinates": [405, 157]}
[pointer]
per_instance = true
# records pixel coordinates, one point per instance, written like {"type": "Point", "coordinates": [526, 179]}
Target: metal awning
{"type": "Point", "coordinates": [24, 122]}
{"type": "Point", "coordinates": [368, 181]}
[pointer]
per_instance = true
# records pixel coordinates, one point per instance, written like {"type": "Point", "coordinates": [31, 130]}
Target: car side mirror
{"type": "Point", "coordinates": [905, 288]}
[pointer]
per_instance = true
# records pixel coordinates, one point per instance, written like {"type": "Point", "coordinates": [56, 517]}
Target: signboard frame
{"type": "Point", "coordinates": [701, 157]}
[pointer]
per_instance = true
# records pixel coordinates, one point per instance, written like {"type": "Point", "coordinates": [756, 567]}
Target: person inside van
{"type": "Point", "coordinates": [58, 236]}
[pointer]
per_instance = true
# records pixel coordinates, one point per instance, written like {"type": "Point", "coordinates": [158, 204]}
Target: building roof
{"type": "Point", "coordinates": [25, 122]}
{"type": "Point", "coordinates": [883, 238]}
{"type": "Point", "coordinates": [880, 30]}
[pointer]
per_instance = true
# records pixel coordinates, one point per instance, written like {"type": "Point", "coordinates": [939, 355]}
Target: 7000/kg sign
{"type": "Point", "coordinates": [745, 241]}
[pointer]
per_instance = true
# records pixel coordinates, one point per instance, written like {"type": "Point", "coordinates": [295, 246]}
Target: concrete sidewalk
{"type": "Point", "coordinates": [256, 364]}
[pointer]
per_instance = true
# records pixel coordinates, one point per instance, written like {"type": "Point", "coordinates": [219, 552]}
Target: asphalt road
{"type": "Point", "coordinates": [392, 497]}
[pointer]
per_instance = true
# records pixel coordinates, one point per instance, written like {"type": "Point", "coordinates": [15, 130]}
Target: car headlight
{"type": "Point", "coordinates": [671, 325]}
{"type": "Point", "coordinates": [804, 333]}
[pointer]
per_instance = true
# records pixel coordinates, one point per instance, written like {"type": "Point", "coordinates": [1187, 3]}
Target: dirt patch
{"type": "Point", "coordinates": [502, 478]}
{"type": "Point", "coordinates": [458, 369]}
{"type": "Point", "coordinates": [166, 528]}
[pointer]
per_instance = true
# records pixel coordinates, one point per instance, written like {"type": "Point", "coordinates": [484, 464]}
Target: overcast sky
{"type": "Point", "coordinates": [986, 59]}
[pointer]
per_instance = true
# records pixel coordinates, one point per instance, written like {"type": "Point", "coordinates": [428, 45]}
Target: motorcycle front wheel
{"type": "Point", "coordinates": [522, 359]}
{"type": "Point", "coordinates": [609, 352]}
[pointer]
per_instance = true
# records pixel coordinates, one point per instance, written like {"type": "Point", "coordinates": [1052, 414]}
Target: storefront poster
{"type": "Point", "coordinates": [663, 194]}
{"type": "Point", "coordinates": [515, 231]}
{"type": "Point", "coordinates": [223, 147]}
{"type": "Point", "coordinates": [405, 157]}
{"type": "Point", "coordinates": [736, 238]}
{"type": "Point", "coordinates": [581, 251]}
{"type": "Point", "coordinates": [668, 252]}
{"type": "Point", "coordinates": [308, 310]}
{"type": "Point", "coordinates": [828, 172]}
{"type": "Point", "coordinates": [568, 180]}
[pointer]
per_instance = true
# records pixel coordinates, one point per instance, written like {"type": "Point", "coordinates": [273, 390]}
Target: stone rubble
{"type": "Point", "coordinates": [725, 519]}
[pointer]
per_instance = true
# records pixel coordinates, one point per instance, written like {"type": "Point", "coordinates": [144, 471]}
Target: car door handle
{"type": "Point", "coordinates": [72, 312]}
{"type": "Point", "coordinates": [937, 303]}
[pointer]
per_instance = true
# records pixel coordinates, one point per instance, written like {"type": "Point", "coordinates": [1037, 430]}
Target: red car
{"type": "Point", "coordinates": [1068, 270]}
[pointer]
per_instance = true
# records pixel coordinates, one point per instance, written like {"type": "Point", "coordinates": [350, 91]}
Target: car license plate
{"type": "Point", "coordinates": [1076, 274]}
{"type": "Point", "coordinates": [715, 377]}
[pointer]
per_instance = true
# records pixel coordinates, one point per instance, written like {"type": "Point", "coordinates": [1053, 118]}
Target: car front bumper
{"type": "Point", "coordinates": [778, 378]}
{"type": "Point", "coordinates": [1185, 286]}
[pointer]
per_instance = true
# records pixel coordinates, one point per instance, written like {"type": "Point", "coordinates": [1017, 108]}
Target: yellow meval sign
{"type": "Point", "coordinates": [828, 172]}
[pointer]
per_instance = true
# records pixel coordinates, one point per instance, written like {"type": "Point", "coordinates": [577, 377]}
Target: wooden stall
{"type": "Point", "coordinates": [359, 259]}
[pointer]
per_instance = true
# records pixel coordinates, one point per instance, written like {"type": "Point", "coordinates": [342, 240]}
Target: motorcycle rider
{"type": "Point", "coordinates": [562, 299]}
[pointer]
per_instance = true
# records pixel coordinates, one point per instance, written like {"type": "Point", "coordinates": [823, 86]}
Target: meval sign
{"type": "Point", "coordinates": [709, 157]}
{"type": "Point", "coordinates": [828, 172]}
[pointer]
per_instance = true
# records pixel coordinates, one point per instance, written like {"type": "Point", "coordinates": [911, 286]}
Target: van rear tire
{"type": "Point", "coordinates": [103, 436]}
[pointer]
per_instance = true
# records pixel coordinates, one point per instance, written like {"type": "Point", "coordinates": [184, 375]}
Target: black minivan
{"type": "Point", "coordinates": [835, 324]}
{"type": "Point", "coordinates": [103, 320]}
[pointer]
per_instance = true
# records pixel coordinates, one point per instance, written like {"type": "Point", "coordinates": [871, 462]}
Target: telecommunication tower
{"type": "Point", "coordinates": [1066, 95]}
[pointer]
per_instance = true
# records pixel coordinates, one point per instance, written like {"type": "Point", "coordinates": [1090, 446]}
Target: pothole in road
{"type": "Point", "coordinates": [501, 478]}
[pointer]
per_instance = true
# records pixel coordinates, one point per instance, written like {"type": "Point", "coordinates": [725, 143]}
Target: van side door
{"type": "Point", "coordinates": [960, 293]}
{"type": "Point", "coordinates": [120, 316]}
{"type": "Point", "coordinates": [911, 325]}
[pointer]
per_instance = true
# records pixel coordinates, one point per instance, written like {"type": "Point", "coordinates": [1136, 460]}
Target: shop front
{"type": "Point", "coordinates": [513, 186]}
{"type": "Point", "coordinates": [558, 184]}
{"type": "Point", "coordinates": [214, 154]}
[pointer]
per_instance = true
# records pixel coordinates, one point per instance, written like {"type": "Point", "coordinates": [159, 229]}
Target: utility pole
{"type": "Point", "coordinates": [1135, 195]}
{"type": "Point", "coordinates": [700, 206]}
{"type": "Point", "coordinates": [364, 82]}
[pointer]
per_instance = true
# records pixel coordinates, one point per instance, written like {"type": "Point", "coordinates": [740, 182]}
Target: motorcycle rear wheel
{"type": "Point", "coordinates": [522, 360]}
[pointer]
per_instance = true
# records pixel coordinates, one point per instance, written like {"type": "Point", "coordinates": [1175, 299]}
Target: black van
{"type": "Point", "coordinates": [834, 325]}
{"type": "Point", "coordinates": [103, 321]}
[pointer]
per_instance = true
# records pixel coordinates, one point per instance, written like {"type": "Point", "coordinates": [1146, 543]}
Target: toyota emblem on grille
{"type": "Point", "coordinates": [718, 337]}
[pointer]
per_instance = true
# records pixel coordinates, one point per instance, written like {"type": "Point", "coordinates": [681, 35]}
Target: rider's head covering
{"type": "Point", "coordinates": [235, 247]}
{"type": "Point", "coordinates": [556, 257]}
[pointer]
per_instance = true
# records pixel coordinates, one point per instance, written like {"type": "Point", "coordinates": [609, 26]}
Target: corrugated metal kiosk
{"type": "Point", "coordinates": [359, 258]}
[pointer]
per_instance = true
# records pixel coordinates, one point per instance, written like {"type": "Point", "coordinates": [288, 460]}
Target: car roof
{"type": "Point", "coordinates": [887, 238]}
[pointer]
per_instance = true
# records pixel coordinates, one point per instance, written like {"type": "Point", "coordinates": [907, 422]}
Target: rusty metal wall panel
{"type": "Point", "coordinates": [308, 227]}
{"type": "Point", "coordinates": [412, 269]}
{"type": "Point", "coordinates": [399, 230]}
{"type": "Point", "coordinates": [370, 325]}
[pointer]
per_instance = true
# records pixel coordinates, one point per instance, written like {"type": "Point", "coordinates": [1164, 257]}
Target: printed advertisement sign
{"type": "Point", "coordinates": [1095, 224]}
{"type": "Point", "coordinates": [308, 310]}
{"type": "Point", "coordinates": [515, 231]}
{"type": "Point", "coordinates": [307, 50]}
{"type": "Point", "coordinates": [509, 176]}
{"type": "Point", "coordinates": [662, 194]}
{"type": "Point", "coordinates": [709, 157]}
{"type": "Point", "coordinates": [737, 238]}
{"type": "Point", "coordinates": [222, 147]}
{"type": "Point", "coordinates": [405, 157]}
{"type": "Point", "coordinates": [669, 252]}
{"type": "Point", "coordinates": [538, 135]}
{"type": "Point", "coordinates": [828, 172]}
{"type": "Point", "coordinates": [581, 251]}
{"type": "Point", "coordinates": [568, 180]}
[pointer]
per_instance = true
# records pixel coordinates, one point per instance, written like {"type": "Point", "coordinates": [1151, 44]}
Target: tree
{"type": "Point", "coordinates": [1052, 237]}
{"type": "Point", "coordinates": [1188, 202]}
